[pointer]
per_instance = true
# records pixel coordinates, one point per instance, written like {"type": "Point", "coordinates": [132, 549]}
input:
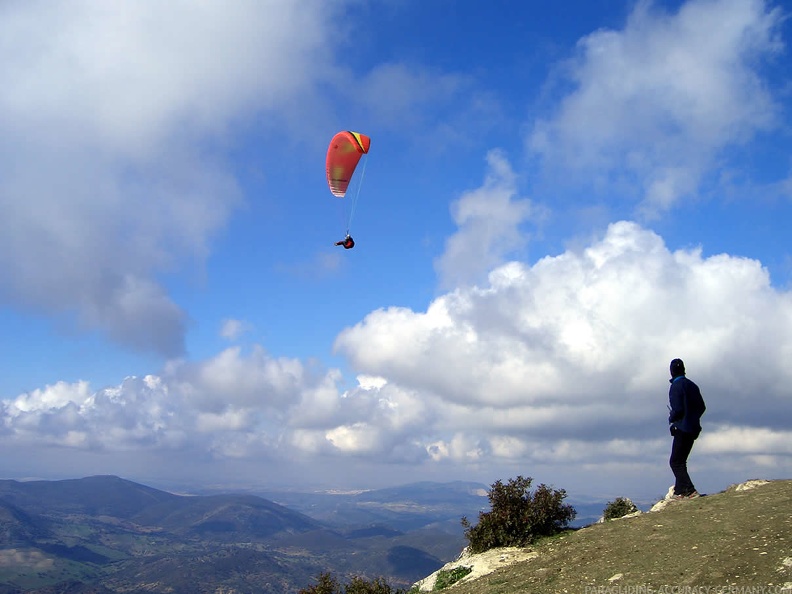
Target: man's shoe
{"type": "Point", "coordinates": [691, 495]}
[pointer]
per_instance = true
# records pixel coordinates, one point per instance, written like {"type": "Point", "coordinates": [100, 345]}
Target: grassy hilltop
{"type": "Point", "coordinates": [739, 540]}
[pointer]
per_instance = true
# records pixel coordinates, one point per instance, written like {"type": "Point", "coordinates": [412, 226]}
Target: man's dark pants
{"type": "Point", "coordinates": [680, 450]}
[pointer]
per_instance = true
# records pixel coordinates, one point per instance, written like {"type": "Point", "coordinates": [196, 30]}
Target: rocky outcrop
{"type": "Point", "coordinates": [481, 564]}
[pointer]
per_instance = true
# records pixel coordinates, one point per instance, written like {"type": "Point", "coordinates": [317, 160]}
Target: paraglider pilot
{"type": "Point", "coordinates": [347, 242]}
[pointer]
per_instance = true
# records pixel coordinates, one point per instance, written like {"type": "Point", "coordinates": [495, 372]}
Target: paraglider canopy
{"type": "Point", "coordinates": [343, 155]}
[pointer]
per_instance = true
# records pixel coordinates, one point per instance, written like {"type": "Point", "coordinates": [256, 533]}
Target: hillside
{"type": "Point", "coordinates": [737, 540]}
{"type": "Point", "coordinates": [108, 534]}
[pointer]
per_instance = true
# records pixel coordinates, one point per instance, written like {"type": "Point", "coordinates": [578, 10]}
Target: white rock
{"type": "Point", "coordinates": [752, 484]}
{"type": "Point", "coordinates": [481, 563]}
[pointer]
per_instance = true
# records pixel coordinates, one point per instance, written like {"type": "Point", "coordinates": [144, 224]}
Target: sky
{"type": "Point", "coordinates": [558, 200]}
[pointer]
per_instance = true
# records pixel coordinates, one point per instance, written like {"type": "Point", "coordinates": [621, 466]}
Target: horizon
{"type": "Point", "coordinates": [557, 202]}
{"type": "Point", "coordinates": [582, 504]}
{"type": "Point", "coordinates": [197, 490]}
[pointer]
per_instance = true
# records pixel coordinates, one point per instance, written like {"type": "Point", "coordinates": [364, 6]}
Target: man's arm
{"type": "Point", "coordinates": [675, 398]}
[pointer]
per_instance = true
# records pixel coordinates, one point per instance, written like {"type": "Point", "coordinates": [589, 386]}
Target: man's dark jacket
{"type": "Point", "coordinates": [687, 406]}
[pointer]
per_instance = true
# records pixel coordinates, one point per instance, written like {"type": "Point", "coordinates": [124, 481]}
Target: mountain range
{"type": "Point", "coordinates": [106, 534]}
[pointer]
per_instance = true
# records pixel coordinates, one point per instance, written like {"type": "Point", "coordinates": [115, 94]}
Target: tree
{"type": "Point", "coordinates": [618, 508]}
{"type": "Point", "coordinates": [328, 584]}
{"type": "Point", "coordinates": [517, 517]}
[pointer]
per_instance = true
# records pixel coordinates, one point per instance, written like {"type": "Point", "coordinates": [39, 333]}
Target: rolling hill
{"type": "Point", "coordinates": [108, 534]}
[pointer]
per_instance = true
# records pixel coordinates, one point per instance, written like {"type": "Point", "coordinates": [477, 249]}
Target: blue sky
{"type": "Point", "coordinates": [559, 199]}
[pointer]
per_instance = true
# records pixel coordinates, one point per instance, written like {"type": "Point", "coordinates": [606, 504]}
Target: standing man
{"type": "Point", "coordinates": [686, 406]}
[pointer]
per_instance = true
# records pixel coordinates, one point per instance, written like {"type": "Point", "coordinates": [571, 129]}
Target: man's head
{"type": "Point", "coordinates": [677, 368]}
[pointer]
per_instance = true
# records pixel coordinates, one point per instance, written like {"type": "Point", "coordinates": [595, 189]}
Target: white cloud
{"type": "Point", "coordinates": [52, 397]}
{"type": "Point", "coordinates": [489, 222]}
{"type": "Point", "coordinates": [227, 420]}
{"type": "Point", "coordinates": [748, 440]}
{"type": "Point", "coordinates": [555, 349]}
{"type": "Point", "coordinates": [109, 138]}
{"type": "Point", "coordinates": [655, 103]}
{"type": "Point", "coordinates": [231, 329]}
{"type": "Point", "coordinates": [234, 378]}
{"type": "Point", "coordinates": [561, 366]}
{"type": "Point", "coordinates": [354, 438]}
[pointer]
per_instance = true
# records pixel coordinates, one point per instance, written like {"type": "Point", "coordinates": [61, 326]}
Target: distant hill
{"type": "Point", "coordinates": [406, 507]}
{"type": "Point", "coordinates": [116, 500]}
{"type": "Point", "coordinates": [106, 534]}
{"type": "Point", "coordinates": [95, 495]}
{"type": "Point", "coordinates": [739, 540]}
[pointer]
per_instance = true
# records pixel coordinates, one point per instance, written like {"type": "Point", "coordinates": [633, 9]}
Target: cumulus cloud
{"type": "Point", "coordinates": [489, 221]}
{"type": "Point", "coordinates": [237, 405]}
{"type": "Point", "coordinates": [109, 133]}
{"type": "Point", "coordinates": [558, 366]}
{"type": "Point", "coordinates": [654, 104]}
{"type": "Point", "coordinates": [564, 357]}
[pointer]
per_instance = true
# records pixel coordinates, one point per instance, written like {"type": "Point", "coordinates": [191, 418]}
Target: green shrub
{"type": "Point", "coordinates": [619, 508]}
{"type": "Point", "coordinates": [449, 577]}
{"type": "Point", "coordinates": [517, 517]}
{"type": "Point", "coordinates": [377, 586]}
{"type": "Point", "coordinates": [327, 584]}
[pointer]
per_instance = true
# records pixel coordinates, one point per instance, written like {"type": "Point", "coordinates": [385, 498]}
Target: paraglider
{"type": "Point", "coordinates": [343, 156]}
{"type": "Point", "coordinates": [347, 242]}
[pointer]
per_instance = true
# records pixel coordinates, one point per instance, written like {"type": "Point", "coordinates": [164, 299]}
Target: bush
{"type": "Point", "coordinates": [619, 508]}
{"type": "Point", "coordinates": [449, 577]}
{"type": "Point", "coordinates": [377, 586]}
{"type": "Point", "coordinates": [518, 518]}
{"type": "Point", "coordinates": [327, 584]}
